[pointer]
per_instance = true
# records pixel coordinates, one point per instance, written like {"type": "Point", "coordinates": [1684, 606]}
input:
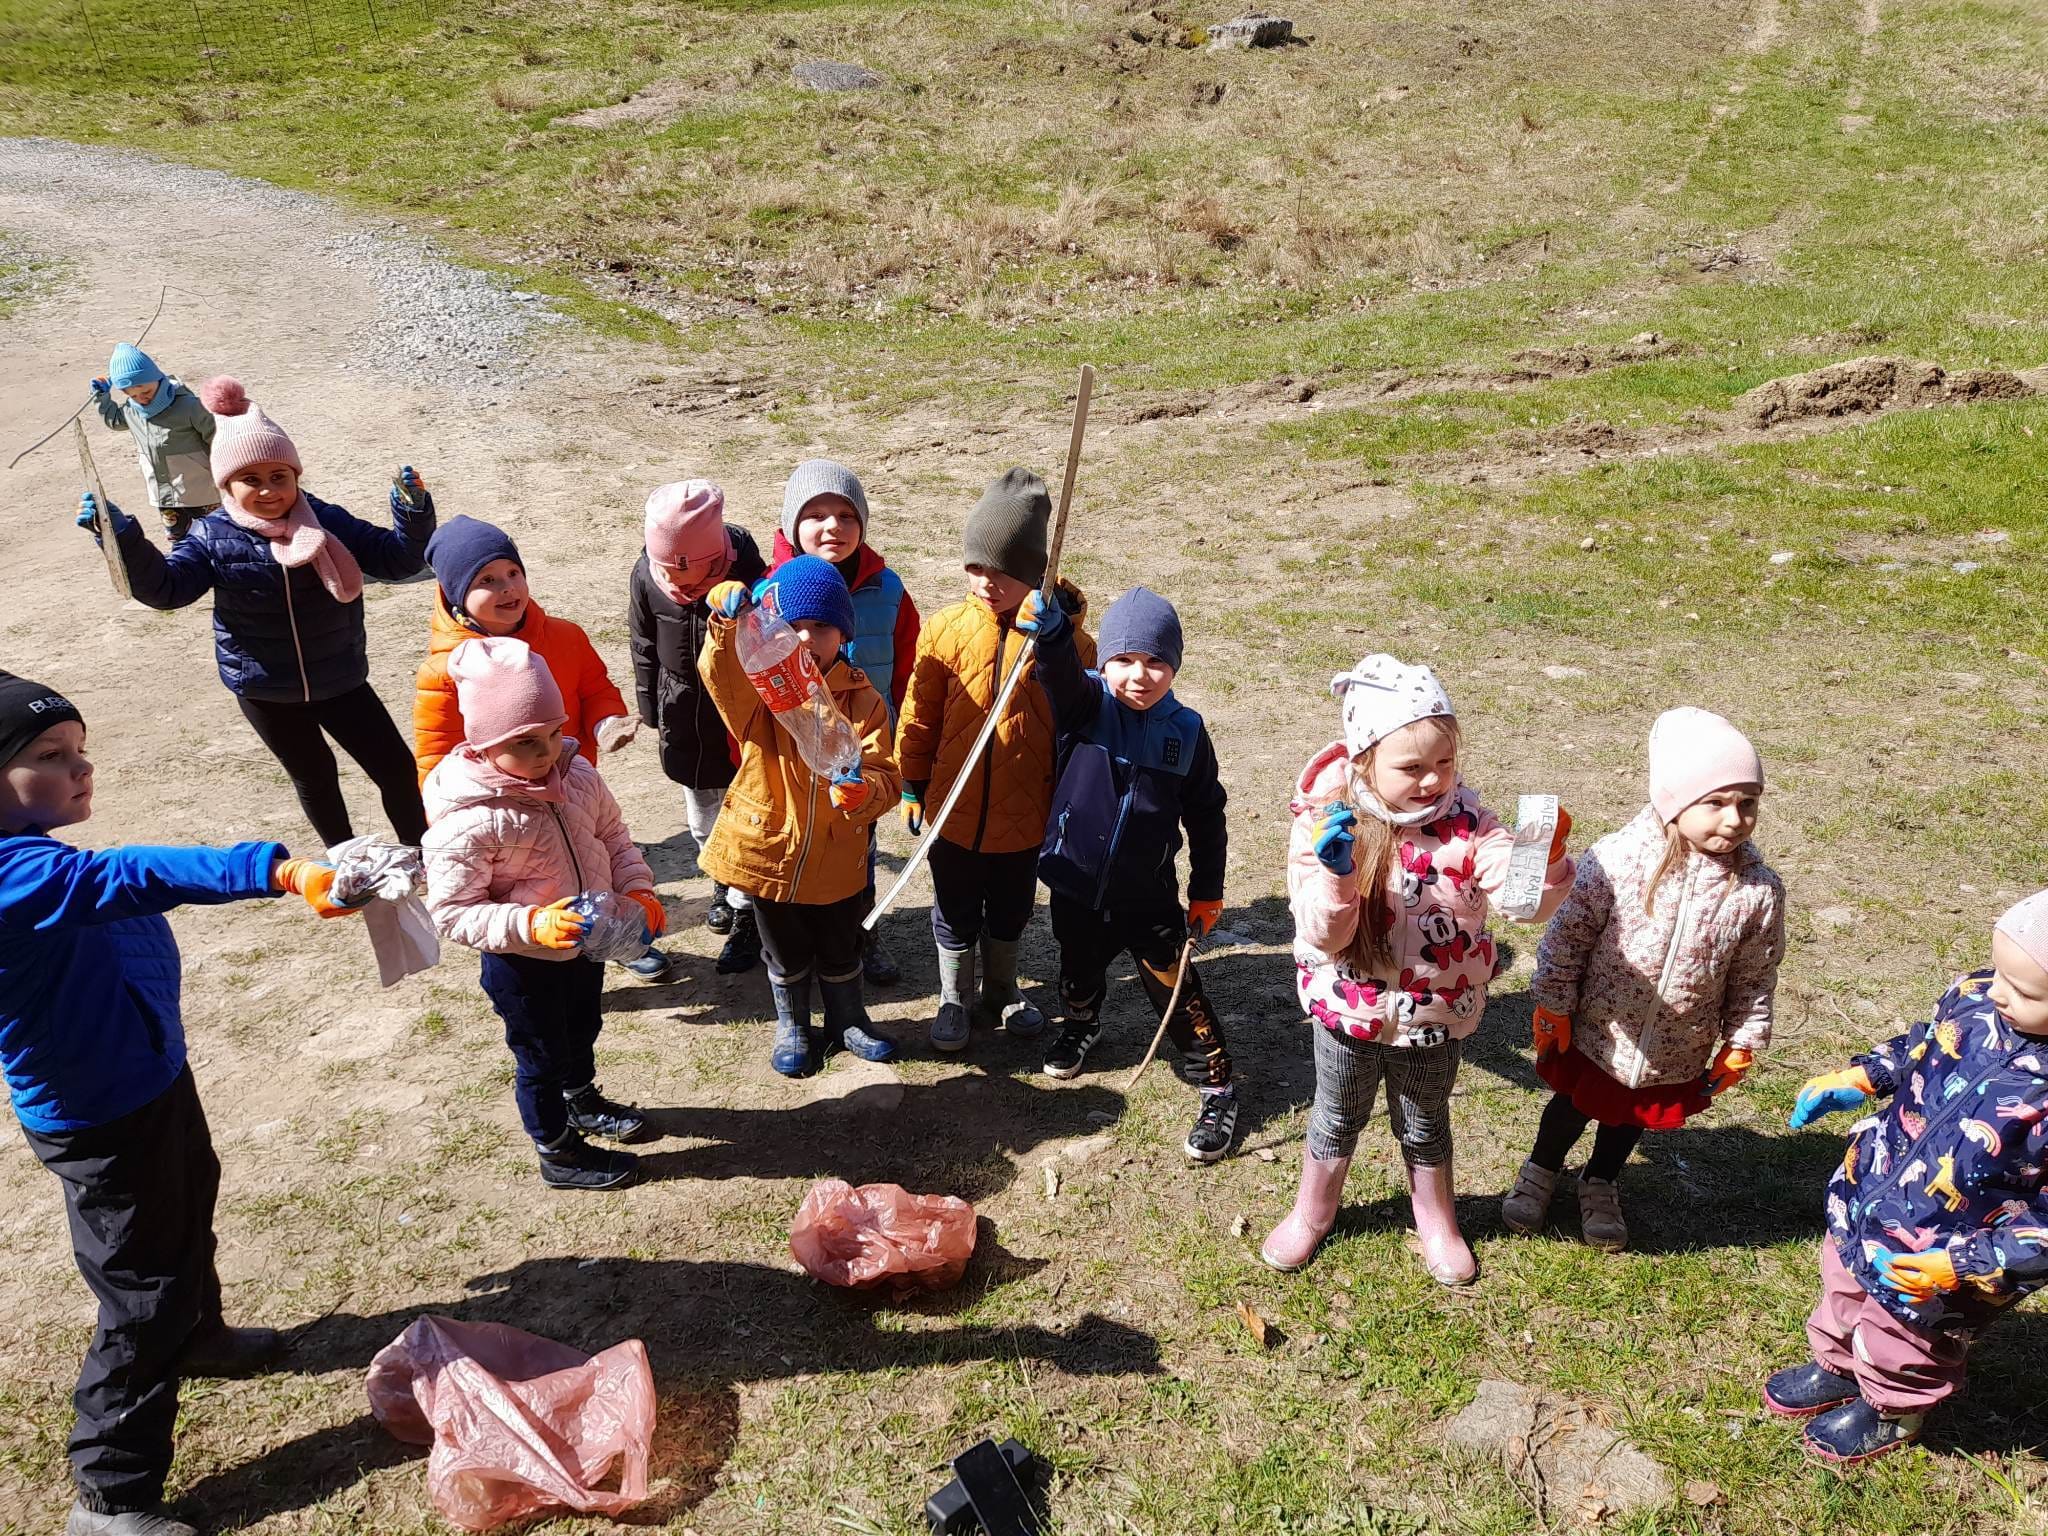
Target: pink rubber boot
{"type": "Point", "coordinates": [1444, 1251]}
{"type": "Point", "coordinates": [1293, 1243]}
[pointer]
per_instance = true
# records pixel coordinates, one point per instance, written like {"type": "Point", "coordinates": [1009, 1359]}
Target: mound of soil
{"type": "Point", "coordinates": [1866, 385]}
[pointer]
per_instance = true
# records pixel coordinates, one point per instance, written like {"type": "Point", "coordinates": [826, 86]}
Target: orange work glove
{"type": "Point", "coordinates": [1564, 830]}
{"type": "Point", "coordinates": [314, 880]}
{"type": "Point", "coordinates": [849, 793]}
{"type": "Point", "coordinates": [555, 926]}
{"type": "Point", "coordinates": [1202, 917]}
{"type": "Point", "coordinates": [1550, 1032]}
{"type": "Point", "coordinates": [655, 913]}
{"type": "Point", "coordinates": [728, 598]}
{"type": "Point", "coordinates": [1919, 1276]}
{"type": "Point", "coordinates": [1730, 1067]}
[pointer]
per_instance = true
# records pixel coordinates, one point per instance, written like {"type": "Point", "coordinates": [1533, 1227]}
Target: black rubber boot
{"type": "Point", "coordinates": [224, 1352]}
{"type": "Point", "coordinates": [570, 1162]}
{"type": "Point", "coordinates": [719, 915]}
{"type": "Point", "coordinates": [742, 950]}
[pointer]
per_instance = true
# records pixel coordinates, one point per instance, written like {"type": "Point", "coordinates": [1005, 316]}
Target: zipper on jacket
{"type": "Point", "coordinates": [988, 761]}
{"type": "Point", "coordinates": [568, 842]}
{"type": "Point", "coordinates": [803, 851]}
{"type": "Point", "coordinates": [1671, 952]}
{"type": "Point", "coordinates": [1957, 1103]}
{"type": "Point", "coordinates": [291, 620]}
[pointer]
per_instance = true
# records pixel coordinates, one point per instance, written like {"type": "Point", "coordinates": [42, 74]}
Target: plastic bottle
{"type": "Point", "coordinates": [1529, 860]}
{"type": "Point", "coordinates": [786, 675]}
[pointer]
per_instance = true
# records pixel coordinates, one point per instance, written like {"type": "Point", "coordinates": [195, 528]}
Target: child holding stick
{"type": "Point", "coordinates": [173, 435]}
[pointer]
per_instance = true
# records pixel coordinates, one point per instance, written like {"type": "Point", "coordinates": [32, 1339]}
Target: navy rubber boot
{"type": "Point", "coordinates": [1857, 1432]}
{"type": "Point", "coordinates": [791, 1055]}
{"type": "Point", "coordinates": [1800, 1391]}
{"type": "Point", "coordinates": [846, 1021]}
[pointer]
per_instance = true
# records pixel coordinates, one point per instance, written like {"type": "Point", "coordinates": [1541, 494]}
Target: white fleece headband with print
{"type": "Point", "coordinates": [1380, 695]}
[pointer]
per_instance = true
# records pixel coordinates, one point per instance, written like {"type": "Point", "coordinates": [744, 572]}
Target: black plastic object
{"type": "Point", "coordinates": [987, 1493]}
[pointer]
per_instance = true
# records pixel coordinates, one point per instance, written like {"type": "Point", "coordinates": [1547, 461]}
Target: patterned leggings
{"type": "Point", "coordinates": [1418, 1078]}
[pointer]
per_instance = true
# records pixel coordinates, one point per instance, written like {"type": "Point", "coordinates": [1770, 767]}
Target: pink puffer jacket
{"type": "Point", "coordinates": [497, 847]}
{"type": "Point", "coordinates": [1448, 872]}
{"type": "Point", "coordinates": [1652, 996]}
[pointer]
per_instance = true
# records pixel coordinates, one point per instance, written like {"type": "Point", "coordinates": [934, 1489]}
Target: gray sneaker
{"type": "Point", "coordinates": [127, 1522]}
{"type": "Point", "coordinates": [950, 1029]}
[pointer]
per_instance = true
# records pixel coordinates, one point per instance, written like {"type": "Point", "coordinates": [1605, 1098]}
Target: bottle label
{"type": "Point", "coordinates": [1535, 825]}
{"type": "Point", "coordinates": [786, 684]}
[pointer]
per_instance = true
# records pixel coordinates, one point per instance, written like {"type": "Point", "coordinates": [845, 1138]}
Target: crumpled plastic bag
{"type": "Point", "coordinates": [613, 927]}
{"type": "Point", "coordinates": [881, 1236]}
{"type": "Point", "coordinates": [517, 1423]}
{"type": "Point", "coordinates": [392, 878]}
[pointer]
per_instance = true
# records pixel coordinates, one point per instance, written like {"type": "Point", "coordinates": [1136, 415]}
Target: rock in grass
{"type": "Point", "coordinates": [1256, 30]}
{"type": "Point", "coordinates": [1579, 1468]}
{"type": "Point", "coordinates": [824, 75]}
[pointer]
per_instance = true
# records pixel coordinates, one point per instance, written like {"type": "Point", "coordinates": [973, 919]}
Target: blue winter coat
{"type": "Point", "coordinates": [1955, 1160]}
{"type": "Point", "coordinates": [89, 972]}
{"type": "Point", "coordinates": [1129, 780]}
{"type": "Point", "coordinates": [278, 635]}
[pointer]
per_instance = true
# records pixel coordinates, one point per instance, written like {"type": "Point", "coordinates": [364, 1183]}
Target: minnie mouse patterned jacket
{"type": "Point", "coordinates": [1447, 874]}
{"type": "Point", "coordinates": [1653, 995]}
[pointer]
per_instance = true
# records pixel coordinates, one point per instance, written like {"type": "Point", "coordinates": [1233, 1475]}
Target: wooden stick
{"type": "Point", "coordinates": [1180, 981]}
{"type": "Point", "coordinates": [103, 517]}
{"type": "Point", "coordinates": [932, 825]}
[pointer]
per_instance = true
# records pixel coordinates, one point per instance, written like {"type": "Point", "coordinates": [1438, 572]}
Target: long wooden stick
{"type": "Point", "coordinates": [103, 518]}
{"type": "Point", "coordinates": [1024, 655]}
{"type": "Point", "coordinates": [1180, 981]}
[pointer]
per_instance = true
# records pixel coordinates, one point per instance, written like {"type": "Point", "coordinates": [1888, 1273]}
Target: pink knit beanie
{"type": "Point", "coordinates": [686, 529]}
{"type": "Point", "coordinates": [2026, 924]}
{"type": "Point", "coordinates": [502, 688]}
{"type": "Point", "coordinates": [242, 434]}
{"type": "Point", "coordinates": [1694, 752]}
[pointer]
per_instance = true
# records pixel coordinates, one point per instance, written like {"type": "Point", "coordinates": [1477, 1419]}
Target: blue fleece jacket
{"type": "Point", "coordinates": [89, 972]}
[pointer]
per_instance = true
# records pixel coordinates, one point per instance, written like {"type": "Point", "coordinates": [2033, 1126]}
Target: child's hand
{"type": "Point", "coordinates": [102, 387]}
{"type": "Point", "coordinates": [1730, 1067]}
{"type": "Point", "coordinates": [1550, 1031]}
{"type": "Point", "coordinates": [1335, 839]}
{"type": "Point", "coordinates": [1564, 830]}
{"type": "Point", "coordinates": [409, 492]}
{"type": "Point", "coordinates": [849, 791]}
{"type": "Point", "coordinates": [1919, 1276]}
{"type": "Point", "coordinates": [1037, 617]}
{"type": "Point", "coordinates": [555, 926]}
{"type": "Point", "coordinates": [616, 731]}
{"type": "Point", "coordinates": [655, 913]}
{"type": "Point", "coordinates": [1849, 1088]}
{"type": "Point", "coordinates": [728, 598]}
{"type": "Point", "coordinates": [913, 809]}
{"type": "Point", "coordinates": [1202, 917]}
{"type": "Point", "coordinates": [314, 880]}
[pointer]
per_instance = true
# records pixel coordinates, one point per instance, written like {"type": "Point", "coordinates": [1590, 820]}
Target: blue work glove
{"type": "Point", "coordinates": [409, 493]}
{"type": "Point", "coordinates": [1334, 838]}
{"type": "Point", "coordinates": [1035, 616]}
{"type": "Point", "coordinates": [87, 507]}
{"type": "Point", "coordinates": [1849, 1088]}
{"type": "Point", "coordinates": [102, 387]}
{"type": "Point", "coordinates": [728, 598]}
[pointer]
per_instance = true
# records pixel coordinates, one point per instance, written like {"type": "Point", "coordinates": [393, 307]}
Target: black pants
{"type": "Point", "coordinates": [362, 728]}
{"type": "Point", "coordinates": [1562, 1125]}
{"type": "Point", "coordinates": [553, 1010]}
{"type": "Point", "coordinates": [138, 1194]}
{"type": "Point", "coordinates": [1153, 934]}
{"type": "Point", "coordinates": [970, 890]}
{"type": "Point", "coordinates": [178, 520]}
{"type": "Point", "coordinates": [800, 938]}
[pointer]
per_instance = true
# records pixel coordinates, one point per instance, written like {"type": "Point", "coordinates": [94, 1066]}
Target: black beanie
{"type": "Point", "coordinates": [1006, 529]}
{"type": "Point", "coordinates": [26, 711]}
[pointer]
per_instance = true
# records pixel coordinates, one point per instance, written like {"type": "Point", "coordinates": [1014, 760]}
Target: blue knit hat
{"type": "Point", "coordinates": [1140, 623]}
{"type": "Point", "coordinates": [131, 366]}
{"type": "Point", "coordinates": [460, 548]}
{"type": "Point", "coordinates": [808, 588]}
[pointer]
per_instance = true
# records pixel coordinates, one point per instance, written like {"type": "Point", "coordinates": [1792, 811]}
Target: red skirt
{"type": "Point", "coordinates": [1658, 1107]}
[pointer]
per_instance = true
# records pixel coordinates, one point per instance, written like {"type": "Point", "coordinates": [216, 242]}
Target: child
{"type": "Point", "coordinates": [1937, 1220]}
{"type": "Point", "coordinates": [825, 513]}
{"type": "Point", "coordinates": [286, 572]}
{"type": "Point", "coordinates": [173, 436]}
{"type": "Point", "coordinates": [1136, 765]}
{"type": "Point", "coordinates": [93, 1047]}
{"type": "Point", "coordinates": [1391, 866]}
{"type": "Point", "coordinates": [690, 548]}
{"type": "Point", "coordinates": [521, 826]}
{"type": "Point", "coordinates": [797, 847]}
{"type": "Point", "coordinates": [1654, 981]}
{"type": "Point", "coordinates": [985, 861]}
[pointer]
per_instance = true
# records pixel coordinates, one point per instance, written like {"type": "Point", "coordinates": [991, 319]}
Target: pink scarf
{"type": "Point", "coordinates": [297, 539]}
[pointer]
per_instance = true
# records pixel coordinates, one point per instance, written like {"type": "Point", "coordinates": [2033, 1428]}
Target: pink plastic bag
{"type": "Point", "coordinates": [517, 1423]}
{"type": "Point", "coordinates": [882, 1236]}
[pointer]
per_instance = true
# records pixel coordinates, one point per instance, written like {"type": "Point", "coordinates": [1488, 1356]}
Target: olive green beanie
{"type": "Point", "coordinates": [1006, 529]}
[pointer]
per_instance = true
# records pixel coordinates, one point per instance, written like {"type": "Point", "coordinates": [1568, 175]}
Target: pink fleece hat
{"type": "Point", "coordinates": [2026, 923]}
{"type": "Point", "coordinates": [502, 688]}
{"type": "Point", "coordinates": [686, 529]}
{"type": "Point", "coordinates": [242, 434]}
{"type": "Point", "coordinates": [1694, 752]}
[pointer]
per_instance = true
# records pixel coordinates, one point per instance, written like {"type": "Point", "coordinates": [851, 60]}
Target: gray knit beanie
{"type": "Point", "coordinates": [1006, 529]}
{"type": "Point", "coordinates": [1140, 623]}
{"type": "Point", "coordinates": [814, 478]}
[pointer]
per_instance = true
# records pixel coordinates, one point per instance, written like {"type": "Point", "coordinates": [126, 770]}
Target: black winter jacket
{"type": "Point", "coordinates": [667, 638]}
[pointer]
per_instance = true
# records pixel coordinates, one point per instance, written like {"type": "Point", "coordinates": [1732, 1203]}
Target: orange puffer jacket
{"type": "Point", "coordinates": [587, 689]}
{"type": "Point", "coordinates": [963, 654]}
{"type": "Point", "coordinates": [778, 834]}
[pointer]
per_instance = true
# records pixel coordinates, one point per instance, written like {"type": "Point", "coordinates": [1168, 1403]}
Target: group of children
{"type": "Point", "coordinates": [1653, 987]}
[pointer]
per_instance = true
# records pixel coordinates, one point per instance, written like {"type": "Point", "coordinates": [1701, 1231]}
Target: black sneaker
{"type": "Point", "coordinates": [1215, 1126]}
{"type": "Point", "coordinates": [220, 1351]}
{"type": "Point", "coordinates": [718, 916]}
{"type": "Point", "coordinates": [573, 1163]}
{"type": "Point", "coordinates": [877, 968]}
{"type": "Point", "coordinates": [1858, 1432]}
{"type": "Point", "coordinates": [124, 1522]}
{"type": "Point", "coordinates": [1072, 1047]}
{"type": "Point", "coordinates": [652, 966]}
{"type": "Point", "coordinates": [592, 1114]}
{"type": "Point", "coordinates": [742, 950]}
{"type": "Point", "coordinates": [1800, 1391]}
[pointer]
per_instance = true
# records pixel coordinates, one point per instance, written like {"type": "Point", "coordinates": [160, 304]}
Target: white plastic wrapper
{"type": "Point", "coordinates": [392, 879]}
{"type": "Point", "coordinates": [1535, 826]}
{"type": "Point", "coordinates": [614, 928]}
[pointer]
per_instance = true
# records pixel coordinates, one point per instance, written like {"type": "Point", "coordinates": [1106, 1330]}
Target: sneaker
{"type": "Point", "coordinates": [1800, 1391]}
{"type": "Point", "coordinates": [225, 1353]}
{"type": "Point", "coordinates": [592, 1114]}
{"type": "Point", "coordinates": [127, 1522]}
{"type": "Point", "coordinates": [719, 915]}
{"type": "Point", "coordinates": [1600, 1220]}
{"type": "Point", "coordinates": [1524, 1208]}
{"type": "Point", "coordinates": [1071, 1049]}
{"type": "Point", "coordinates": [652, 966]}
{"type": "Point", "coordinates": [1856, 1431]}
{"type": "Point", "coordinates": [742, 950]}
{"type": "Point", "coordinates": [1215, 1126]}
{"type": "Point", "coordinates": [949, 1030]}
{"type": "Point", "coordinates": [573, 1163]}
{"type": "Point", "coordinates": [876, 967]}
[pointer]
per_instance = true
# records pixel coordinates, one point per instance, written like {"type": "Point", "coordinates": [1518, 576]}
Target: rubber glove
{"type": "Point", "coordinates": [88, 506]}
{"type": "Point", "coordinates": [849, 791]}
{"type": "Point", "coordinates": [410, 493]}
{"type": "Point", "coordinates": [1550, 1032]}
{"type": "Point", "coordinates": [102, 387]}
{"type": "Point", "coordinates": [1847, 1089]}
{"type": "Point", "coordinates": [1335, 839]}
{"type": "Point", "coordinates": [913, 809]}
{"type": "Point", "coordinates": [555, 926]}
{"type": "Point", "coordinates": [1564, 830]}
{"type": "Point", "coordinates": [656, 913]}
{"type": "Point", "coordinates": [1037, 617]}
{"type": "Point", "coordinates": [1202, 917]}
{"type": "Point", "coordinates": [616, 731]}
{"type": "Point", "coordinates": [1919, 1276]}
{"type": "Point", "coordinates": [314, 880]}
{"type": "Point", "coordinates": [728, 598]}
{"type": "Point", "coordinates": [1730, 1067]}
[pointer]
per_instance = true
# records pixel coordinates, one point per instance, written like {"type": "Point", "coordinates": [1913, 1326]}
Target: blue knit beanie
{"type": "Point", "coordinates": [460, 548]}
{"type": "Point", "coordinates": [131, 366]}
{"type": "Point", "coordinates": [808, 588]}
{"type": "Point", "coordinates": [1140, 623]}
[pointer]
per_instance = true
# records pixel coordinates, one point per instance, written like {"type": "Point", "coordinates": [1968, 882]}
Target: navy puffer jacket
{"type": "Point", "coordinates": [278, 634]}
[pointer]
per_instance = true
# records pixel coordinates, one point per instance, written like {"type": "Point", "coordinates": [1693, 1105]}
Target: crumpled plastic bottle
{"type": "Point", "coordinates": [613, 927]}
{"type": "Point", "coordinates": [786, 675]}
